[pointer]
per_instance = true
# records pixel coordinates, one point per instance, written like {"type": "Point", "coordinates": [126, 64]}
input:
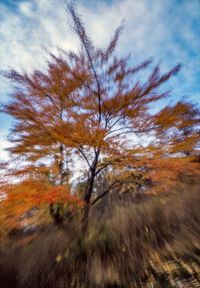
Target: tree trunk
{"type": "Point", "coordinates": [85, 219]}
{"type": "Point", "coordinates": [88, 193]}
{"type": "Point", "coordinates": [61, 165]}
{"type": "Point", "coordinates": [87, 197]}
{"type": "Point", "coordinates": [55, 214]}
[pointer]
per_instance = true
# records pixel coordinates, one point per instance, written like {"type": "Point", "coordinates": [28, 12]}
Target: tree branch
{"type": "Point", "coordinates": [84, 156]}
{"type": "Point", "coordinates": [104, 193]}
{"type": "Point", "coordinates": [102, 168]}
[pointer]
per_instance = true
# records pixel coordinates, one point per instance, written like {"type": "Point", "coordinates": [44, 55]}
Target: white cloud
{"type": "Point", "coordinates": [148, 29]}
{"type": "Point", "coordinates": [163, 29]}
{"type": "Point", "coordinates": [3, 145]}
{"type": "Point", "coordinates": [26, 8]}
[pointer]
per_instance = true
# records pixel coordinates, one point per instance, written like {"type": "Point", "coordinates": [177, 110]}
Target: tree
{"type": "Point", "coordinates": [20, 199]}
{"type": "Point", "coordinates": [40, 101]}
{"type": "Point", "coordinates": [88, 104]}
{"type": "Point", "coordinates": [177, 128]}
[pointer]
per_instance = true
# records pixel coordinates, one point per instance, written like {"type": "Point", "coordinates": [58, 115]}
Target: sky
{"type": "Point", "coordinates": [168, 31]}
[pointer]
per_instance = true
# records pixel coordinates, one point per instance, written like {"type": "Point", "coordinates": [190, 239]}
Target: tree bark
{"type": "Point", "coordinates": [61, 165]}
{"type": "Point", "coordinates": [88, 192]}
{"type": "Point", "coordinates": [87, 197]}
{"type": "Point", "coordinates": [85, 219]}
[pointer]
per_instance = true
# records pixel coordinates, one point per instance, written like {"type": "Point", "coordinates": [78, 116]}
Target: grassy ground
{"type": "Point", "coordinates": [149, 244]}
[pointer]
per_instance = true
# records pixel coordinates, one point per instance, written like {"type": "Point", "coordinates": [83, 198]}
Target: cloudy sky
{"type": "Point", "coordinates": [169, 31]}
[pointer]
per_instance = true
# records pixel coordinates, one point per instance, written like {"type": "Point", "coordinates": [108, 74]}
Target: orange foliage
{"type": "Point", "coordinates": [22, 197]}
{"type": "Point", "coordinates": [167, 174]}
{"type": "Point", "coordinates": [90, 104]}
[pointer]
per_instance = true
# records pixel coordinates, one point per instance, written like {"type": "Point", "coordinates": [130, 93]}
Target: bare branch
{"type": "Point", "coordinates": [105, 192]}
{"type": "Point", "coordinates": [84, 156]}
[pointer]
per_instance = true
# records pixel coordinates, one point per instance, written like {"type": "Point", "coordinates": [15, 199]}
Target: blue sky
{"type": "Point", "coordinates": [169, 31]}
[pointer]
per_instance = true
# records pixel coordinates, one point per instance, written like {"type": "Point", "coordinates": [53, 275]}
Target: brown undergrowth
{"type": "Point", "coordinates": [155, 242]}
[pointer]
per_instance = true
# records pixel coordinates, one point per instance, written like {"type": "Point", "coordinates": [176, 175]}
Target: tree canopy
{"type": "Point", "coordinates": [90, 105]}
